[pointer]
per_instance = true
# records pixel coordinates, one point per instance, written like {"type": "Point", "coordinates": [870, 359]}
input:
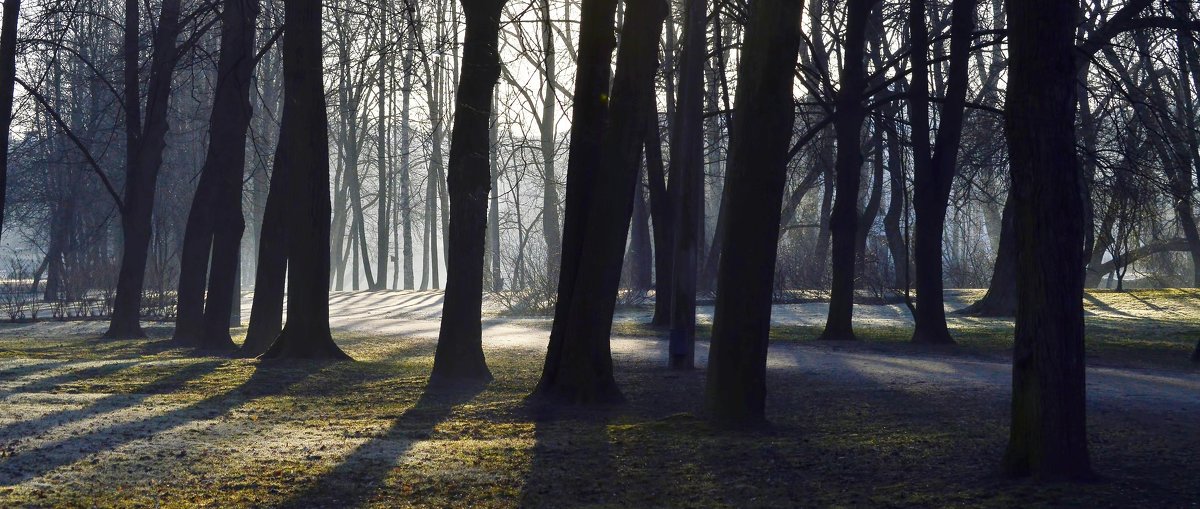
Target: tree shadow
{"type": "Point", "coordinates": [1099, 304]}
{"type": "Point", "coordinates": [71, 375]}
{"type": "Point", "coordinates": [109, 403]}
{"type": "Point", "coordinates": [572, 458]}
{"type": "Point", "coordinates": [364, 470]}
{"type": "Point", "coordinates": [267, 380]}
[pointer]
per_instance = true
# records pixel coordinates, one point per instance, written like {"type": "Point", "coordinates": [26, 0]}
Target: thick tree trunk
{"type": "Point", "coordinates": [459, 355]}
{"type": "Point", "coordinates": [1048, 433]}
{"type": "Point", "coordinates": [143, 161]}
{"type": "Point", "coordinates": [215, 223]}
{"type": "Point", "coordinates": [755, 176]}
{"type": "Point", "coordinates": [600, 181]}
{"type": "Point", "coordinates": [933, 176]}
{"type": "Point", "coordinates": [843, 221]}
{"type": "Point", "coordinates": [687, 161]}
{"type": "Point", "coordinates": [304, 130]}
{"type": "Point", "coordinates": [8, 75]}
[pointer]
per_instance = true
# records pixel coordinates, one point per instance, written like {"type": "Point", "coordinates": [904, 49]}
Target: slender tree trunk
{"type": "Point", "coordinates": [405, 171]}
{"type": "Point", "coordinates": [639, 259]}
{"type": "Point", "coordinates": [305, 134]}
{"type": "Point", "coordinates": [661, 213]}
{"type": "Point", "coordinates": [381, 201]}
{"type": "Point", "coordinates": [550, 220]}
{"type": "Point", "coordinates": [459, 355]}
{"type": "Point", "coordinates": [687, 159]}
{"type": "Point", "coordinates": [600, 181]}
{"type": "Point", "coordinates": [1048, 433]}
{"type": "Point", "coordinates": [1001, 297]}
{"type": "Point", "coordinates": [843, 221]}
{"type": "Point", "coordinates": [143, 161]}
{"type": "Point", "coordinates": [8, 75]}
{"type": "Point", "coordinates": [756, 173]}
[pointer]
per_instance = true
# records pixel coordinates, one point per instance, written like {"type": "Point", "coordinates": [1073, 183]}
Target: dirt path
{"type": "Point", "coordinates": [416, 315]}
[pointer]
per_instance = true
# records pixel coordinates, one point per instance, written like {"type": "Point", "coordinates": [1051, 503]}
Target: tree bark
{"type": "Point", "coordinates": [1048, 436]}
{"type": "Point", "coordinates": [843, 221]}
{"type": "Point", "coordinates": [266, 308]}
{"type": "Point", "coordinates": [1001, 297]}
{"type": "Point", "coordinates": [661, 212]}
{"type": "Point", "coordinates": [578, 367]}
{"type": "Point", "coordinates": [459, 355]}
{"type": "Point", "coordinates": [305, 134]}
{"type": "Point", "coordinates": [8, 75]}
{"type": "Point", "coordinates": [756, 173]}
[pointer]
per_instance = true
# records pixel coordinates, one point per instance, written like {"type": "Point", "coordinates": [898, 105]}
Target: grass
{"type": "Point", "coordinates": [139, 423]}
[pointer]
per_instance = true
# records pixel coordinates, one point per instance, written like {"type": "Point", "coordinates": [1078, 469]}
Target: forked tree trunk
{"type": "Point", "coordinates": [459, 355]}
{"type": "Point", "coordinates": [215, 223]}
{"type": "Point", "coordinates": [143, 161]}
{"type": "Point", "coordinates": [687, 161]}
{"type": "Point", "coordinates": [934, 176]}
{"type": "Point", "coordinates": [755, 177]}
{"type": "Point", "coordinates": [304, 137]}
{"type": "Point", "coordinates": [843, 221]}
{"type": "Point", "coordinates": [578, 367]}
{"type": "Point", "coordinates": [1048, 435]}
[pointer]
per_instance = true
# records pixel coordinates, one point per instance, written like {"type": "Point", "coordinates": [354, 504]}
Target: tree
{"type": "Point", "coordinates": [687, 161]}
{"type": "Point", "coordinates": [934, 173]}
{"type": "Point", "coordinates": [843, 221]}
{"type": "Point", "coordinates": [459, 353]}
{"type": "Point", "coordinates": [600, 189]}
{"type": "Point", "coordinates": [215, 223]}
{"type": "Point", "coordinates": [304, 138]}
{"type": "Point", "coordinates": [143, 160]}
{"type": "Point", "coordinates": [1048, 434]}
{"type": "Point", "coordinates": [8, 82]}
{"type": "Point", "coordinates": [755, 177]}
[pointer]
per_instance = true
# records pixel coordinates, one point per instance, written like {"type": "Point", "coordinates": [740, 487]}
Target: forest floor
{"type": "Point", "coordinates": [879, 422]}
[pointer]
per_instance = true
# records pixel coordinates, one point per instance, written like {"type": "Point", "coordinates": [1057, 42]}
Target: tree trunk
{"type": "Point", "coordinates": [216, 211]}
{"type": "Point", "coordinates": [143, 161]}
{"type": "Point", "coordinates": [600, 181]}
{"type": "Point", "coordinates": [381, 201]}
{"type": "Point", "coordinates": [639, 258]}
{"type": "Point", "coordinates": [550, 221]}
{"type": "Point", "coordinates": [934, 176]}
{"type": "Point", "coordinates": [843, 221]}
{"type": "Point", "coordinates": [405, 171]}
{"type": "Point", "coordinates": [266, 309]}
{"type": "Point", "coordinates": [756, 173]}
{"type": "Point", "coordinates": [661, 212]}
{"type": "Point", "coordinates": [1001, 297]}
{"type": "Point", "coordinates": [8, 75]}
{"type": "Point", "coordinates": [305, 138]}
{"type": "Point", "coordinates": [459, 355]}
{"type": "Point", "coordinates": [687, 161]}
{"type": "Point", "coordinates": [1048, 434]}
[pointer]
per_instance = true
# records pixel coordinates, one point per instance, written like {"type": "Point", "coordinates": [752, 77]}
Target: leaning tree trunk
{"type": "Point", "coordinates": [687, 161]}
{"type": "Point", "coordinates": [1001, 297]}
{"type": "Point", "coordinates": [661, 212]}
{"type": "Point", "coordinates": [933, 178]}
{"type": "Point", "coordinates": [578, 365]}
{"type": "Point", "coordinates": [142, 164]}
{"type": "Point", "coordinates": [304, 134]}
{"type": "Point", "coordinates": [219, 192]}
{"type": "Point", "coordinates": [459, 355]}
{"type": "Point", "coordinates": [266, 309]}
{"type": "Point", "coordinates": [755, 178]}
{"type": "Point", "coordinates": [1048, 432]}
{"type": "Point", "coordinates": [848, 167]}
{"type": "Point", "coordinates": [8, 82]}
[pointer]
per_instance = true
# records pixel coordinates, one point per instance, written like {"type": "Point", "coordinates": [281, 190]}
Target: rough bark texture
{"type": "Point", "coordinates": [755, 176]}
{"type": "Point", "coordinates": [687, 161]}
{"type": "Point", "coordinates": [215, 223]}
{"type": "Point", "coordinates": [843, 221]}
{"type": "Point", "coordinates": [144, 156]}
{"type": "Point", "coordinates": [1048, 434]}
{"type": "Point", "coordinates": [304, 134]}
{"type": "Point", "coordinates": [600, 192]}
{"type": "Point", "coordinates": [934, 176]}
{"type": "Point", "coordinates": [459, 355]}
